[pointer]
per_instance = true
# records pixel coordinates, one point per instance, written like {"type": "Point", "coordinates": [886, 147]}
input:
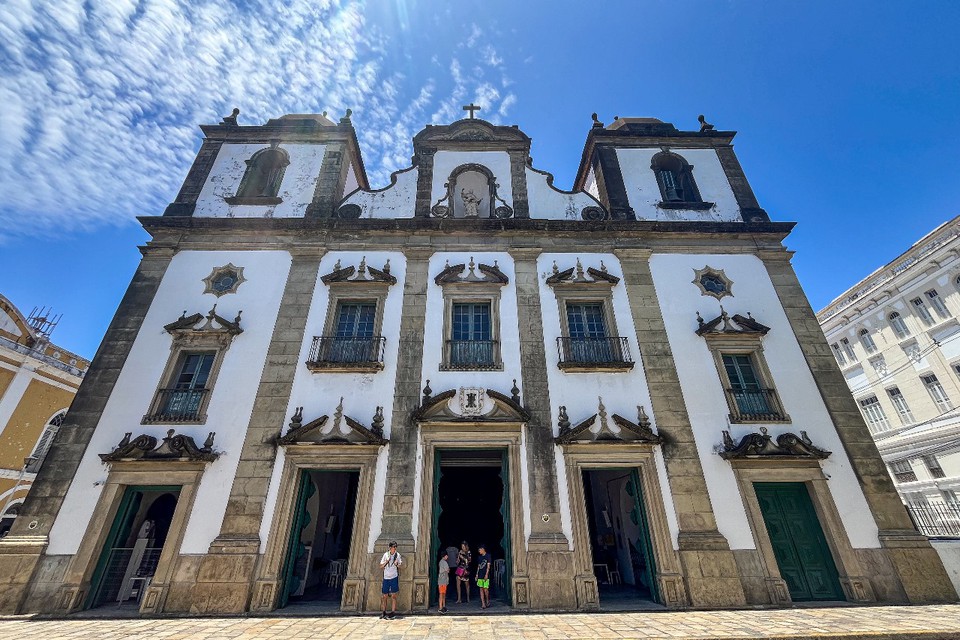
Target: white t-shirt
{"type": "Point", "coordinates": [390, 568]}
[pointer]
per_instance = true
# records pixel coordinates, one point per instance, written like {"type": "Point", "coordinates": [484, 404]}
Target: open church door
{"type": "Point", "coordinates": [638, 515]}
{"type": "Point", "coordinates": [504, 580]}
{"type": "Point", "coordinates": [296, 550]}
{"type": "Point", "coordinates": [122, 523]}
{"type": "Point", "coordinates": [435, 535]}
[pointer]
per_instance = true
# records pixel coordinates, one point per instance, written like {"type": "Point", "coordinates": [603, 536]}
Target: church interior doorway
{"type": "Point", "coordinates": [134, 543]}
{"type": "Point", "coordinates": [471, 503]}
{"type": "Point", "coordinates": [620, 546]}
{"type": "Point", "coordinates": [320, 536]}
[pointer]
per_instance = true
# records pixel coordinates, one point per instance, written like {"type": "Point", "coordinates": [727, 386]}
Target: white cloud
{"type": "Point", "coordinates": [101, 99]}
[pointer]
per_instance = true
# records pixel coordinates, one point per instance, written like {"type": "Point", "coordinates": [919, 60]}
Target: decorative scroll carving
{"type": "Point", "coordinates": [497, 408]}
{"type": "Point", "coordinates": [173, 447]}
{"type": "Point", "coordinates": [594, 214]}
{"type": "Point", "coordinates": [722, 325]}
{"type": "Point", "coordinates": [188, 324]}
{"type": "Point", "coordinates": [349, 211]}
{"type": "Point", "coordinates": [638, 432]}
{"type": "Point", "coordinates": [577, 275]}
{"type": "Point", "coordinates": [452, 274]}
{"type": "Point", "coordinates": [361, 274]}
{"type": "Point", "coordinates": [345, 430]}
{"type": "Point", "coordinates": [761, 445]}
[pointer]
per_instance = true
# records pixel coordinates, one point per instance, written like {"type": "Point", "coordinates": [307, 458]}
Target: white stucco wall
{"type": "Point", "coordinates": [549, 202]}
{"type": "Point", "coordinates": [350, 184]}
{"type": "Point", "coordinates": [7, 324]}
{"type": "Point", "coordinates": [703, 393]}
{"type": "Point", "coordinates": [580, 392]}
{"type": "Point", "coordinates": [320, 393]}
{"type": "Point", "coordinates": [296, 190]}
{"type": "Point", "coordinates": [643, 191]}
{"type": "Point", "coordinates": [498, 162]}
{"type": "Point", "coordinates": [231, 400]}
{"type": "Point", "coordinates": [397, 200]}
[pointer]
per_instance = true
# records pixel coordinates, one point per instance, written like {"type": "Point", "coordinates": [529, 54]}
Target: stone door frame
{"type": "Point", "coordinates": [318, 457]}
{"type": "Point", "coordinates": [856, 586]}
{"type": "Point", "coordinates": [470, 435]}
{"type": "Point", "coordinates": [76, 585]}
{"type": "Point", "coordinates": [595, 456]}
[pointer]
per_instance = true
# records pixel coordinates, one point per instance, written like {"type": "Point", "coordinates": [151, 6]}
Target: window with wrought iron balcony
{"type": "Point", "coordinates": [471, 345]}
{"type": "Point", "coordinates": [186, 398]}
{"type": "Point", "coordinates": [747, 397]}
{"type": "Point", "coordinates": [353, 345]}
{"type": "Point", "coordinates": [587, 347]}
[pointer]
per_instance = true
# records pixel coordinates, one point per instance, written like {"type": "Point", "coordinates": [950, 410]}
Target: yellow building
{"type": "Point", "coordinates": [38, 380]}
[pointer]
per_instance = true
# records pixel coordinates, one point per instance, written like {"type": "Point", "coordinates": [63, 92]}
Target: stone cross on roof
{"type": "Point", "coordinates": [471, 108]}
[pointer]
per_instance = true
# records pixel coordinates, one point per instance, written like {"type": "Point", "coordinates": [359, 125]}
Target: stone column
{"type": "Point", "coordinates": [549, 560]}
{"type": "Point", "coordinates": [518, 184]}
{"type": "Point", "coordinates": [710, 570]}
{"type": "Point", "coordinates": [916, 563]}
{"type": "Point", "coordinates": [425, 184]}
{"type": "Point", "coordinates": [750, 209]}
{"type": "Point", "coordinates": [21, 550]}
{"type": "Point", "coordinates": [333, 171]}
{"type": "Point", "coordinates": [225, 577]}
{"type": "Point", "coordinates": [186, 202]}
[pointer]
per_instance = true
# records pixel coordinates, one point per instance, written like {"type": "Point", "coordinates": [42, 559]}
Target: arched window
{"type": "Point", "coordinates": [8, 518]}
{"type": "Point", "coordinates": [264, 174]}
{"type": "Point", "coordinates": [43, 444]}
{"type": "Point", "coordinates": [898, 325]}
{"type": "Point", "coordinates": [675, 177]}
{"type": "Point", "coordinates": [867, 341]}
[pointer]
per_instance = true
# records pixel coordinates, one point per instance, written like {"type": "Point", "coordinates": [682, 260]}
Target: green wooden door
{"type": "Point", "coordinates": [505, 541]}
{"type": "Point", "coordinates": [435, 531]}
{"type": "Point", "coordinates": [643, 546]}
{"type": "Point", "coordinates": [798, 542]}
{"type": "Point", "coordinates": [295, 547]}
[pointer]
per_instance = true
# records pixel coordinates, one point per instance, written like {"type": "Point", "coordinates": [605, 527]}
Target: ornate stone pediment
{"type": "Point", "coordinates": [723, 324]}
{"type": "Point", "coordinates": [187, 325]}
{"type": "Point", "coordinates": [577, 276]}
{"type": "Point", "coordinates": [361, 274]}
{"type": "Point", "coordinates": [345, 430]}
{"type": "Point", "coordinates": [173, 447]}
{"type": "Point", "coordinates": [471, 405]}
{"type": "Point", "coordinates": [761, 445]}
{"type": "Point", "coordinates": [452, 274]}
{"type": "Point", "coordinates": [627, 432]}
{"type": "Point", "coordinates": [470, 130]}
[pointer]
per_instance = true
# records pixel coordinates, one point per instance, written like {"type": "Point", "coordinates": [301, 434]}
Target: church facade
{"type": "Point", "coordinates": [619, 390]}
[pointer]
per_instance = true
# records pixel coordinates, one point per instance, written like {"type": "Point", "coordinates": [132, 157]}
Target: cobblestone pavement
{"type": "Point", "coordinates": [899, 623]}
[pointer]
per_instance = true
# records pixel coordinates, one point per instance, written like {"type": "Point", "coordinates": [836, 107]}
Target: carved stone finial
{"type": "Point", "coordinates": [699, 319]}
{"type": "Point", "coordinates": [704, 125]}
{"type": "Point", "coordinates": [337, 267]}
{"type": "Point", "coordinates": [563, 421]}
{"type": "Point", "coordinates": [763, 430]}
{"type": "Point", "coordinates": [596, 121]}
{"type": "Point", "coordinates": [603, 267]}
{"type": "Point", "coordinates": [125, 440]}
{"type": "Point", "coordinates": [727, 441]}
{"type": "Point", "coordinates": [556, 270]}
{"type": "Point", "coordinates": [297, 418]}
{"type": "Point", "coordinates": [362, 269]}
{"type": "Point", "coordinates": [183, 316]}
{"type": "Point", "coordinates": [337, 417]}
{"type": "Point", "coordinates": [579, 270]}
{"type": "Point", "coordinates": [170, 433]}
{"type": "Point", "coordinates": [427, 391]}
{"type": "Point", "coordinates": [231, 120]}
{"type": "Point", "coordinates": [386, 267]}
{"type": "Point", "coordinates": [515, 392]}
{"type": "Point", "coordinates": [471, 265]}
{"type": "Point", "coordinates": [602, 412]}
{"type": "Point", "coordinates": [208, 443]}
{"type": "Point", "coordinates": [346, 116]}
{"type": "Point", "coordinates": [642, 418]}
{"type": "Point", "coordinates": [377, 425]}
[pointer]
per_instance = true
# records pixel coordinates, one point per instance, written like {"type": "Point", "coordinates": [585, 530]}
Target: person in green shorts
{"type": "Point", "coordinates": [483, 576]}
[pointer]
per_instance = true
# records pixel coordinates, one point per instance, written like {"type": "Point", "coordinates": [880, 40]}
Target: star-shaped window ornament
{"type": "Point", "coordinates": [224, 280]}
{"type": "Point", "coordinates": [713, 282]}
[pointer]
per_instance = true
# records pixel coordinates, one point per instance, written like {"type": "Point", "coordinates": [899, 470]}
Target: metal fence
{"type": "Point", "coordinates": [597, 351]}
{"type": "Point", "coordinates": [177, 405]}
{"type": "Point", "coordinates": [936, 520]}
{"type": "Point", "coordinates": [339, 350]}
{"type": "Point", "coordinates": [755, 405]}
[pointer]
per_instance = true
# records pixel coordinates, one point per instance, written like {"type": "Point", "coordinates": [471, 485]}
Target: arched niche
{"type": "Point", "coordinates": [472, 193]}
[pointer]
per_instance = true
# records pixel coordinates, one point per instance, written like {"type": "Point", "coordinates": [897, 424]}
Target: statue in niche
{"type": "Point", "coordinates": [471, 203]}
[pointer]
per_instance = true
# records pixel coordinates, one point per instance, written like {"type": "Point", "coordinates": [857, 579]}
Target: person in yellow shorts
{"type": "Point", "coordinates": [483, 576]}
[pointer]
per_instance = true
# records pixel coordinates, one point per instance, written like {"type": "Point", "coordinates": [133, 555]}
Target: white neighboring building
{"type": "Point", "coordinates": [896, 336]}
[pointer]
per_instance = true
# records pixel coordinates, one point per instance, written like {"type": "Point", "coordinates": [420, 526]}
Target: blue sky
{"type": "Point", "coordinates": [848, 113]}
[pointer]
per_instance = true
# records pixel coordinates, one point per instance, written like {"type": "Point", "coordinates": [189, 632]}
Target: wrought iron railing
{"type": "Point", "coordinates": [327, 351]}
{"type": "Point", "coordinates": [594, 351]}
{"type": "Point", "coordinates": [755, 405]}
{"type": "Point", "coordinates": [936, 520]}
{"type": "Point", "coordinates": [117, 567]}
{"type": "Point", "coordinates": [177, 405]}
{"type": "Point", "coordinates": [472, 354]}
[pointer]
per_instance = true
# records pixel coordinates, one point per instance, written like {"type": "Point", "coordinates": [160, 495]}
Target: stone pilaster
{"type": "Point", "coordinates": [225, 577]}
{"type": "Point", "coordinates": [21, 549]}
{"type": "Point", "coordinates": [750, 209]}
{"type": "Point", "coordinates": [518, 184]}
{"type": "Point", "coordinates": [614, 187]}
{"type": "Point", "coordinates": [710, 569]}
{"type": "Point", "coordinates": [186, 201]}
{"type": "Point", "coordinates": [424, 183]}
{"type": "Point", "coordinates": [333, 171]}
{"type": "Point", "coordinates": [917, 564]}
{"type": "Point", "coordinates": [549, 561]}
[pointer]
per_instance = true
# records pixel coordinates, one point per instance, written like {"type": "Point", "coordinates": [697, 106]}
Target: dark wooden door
{"type": "Point", "coordinates": [798, 542]}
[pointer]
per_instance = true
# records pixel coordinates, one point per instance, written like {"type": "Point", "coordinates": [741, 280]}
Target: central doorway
{"type": "Point", "coordinates": [620, 548]}
{"type": "Point", "coordinates": [471, 502]}
{"type": "Point", "coordinates": [320, 537]}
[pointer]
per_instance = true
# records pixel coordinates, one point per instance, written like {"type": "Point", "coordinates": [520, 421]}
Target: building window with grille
{"type": "Point", "coordinates": [751, 398]}
{"type": "Point", "coordinates": [184, 395]}
{"type": "Point", "coordinates": [922, 311]}
{"type": "Point", "coordinates": [351, 337]}
{"type": "Point", "coordinates": [902, 471]}
{"type": "Point", "coordinates": [867, 341]}
{"type": "Point", "coordinates": [261, 180]}
{"type": "Point", "coordinates": [900, 404]}
{"type": "Point", "coordinates": [876, 418]}
{"type": "Point", "coordinates": [472, 343]}
{"type": "Point", "coordinates": [938, 304]}
{"type": "Point", "coordinates": [848, 350]}
{"type": "Point", "coordinates": [935, 389]}
{"type": "Point", "coordinates": [898, 325]}
{"type": "Point", "coordinates": [675, 178]}
{"type": "Point", "coordinates": [838, 354]}
{"type": "Point", "coordinates": [933, 466]}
